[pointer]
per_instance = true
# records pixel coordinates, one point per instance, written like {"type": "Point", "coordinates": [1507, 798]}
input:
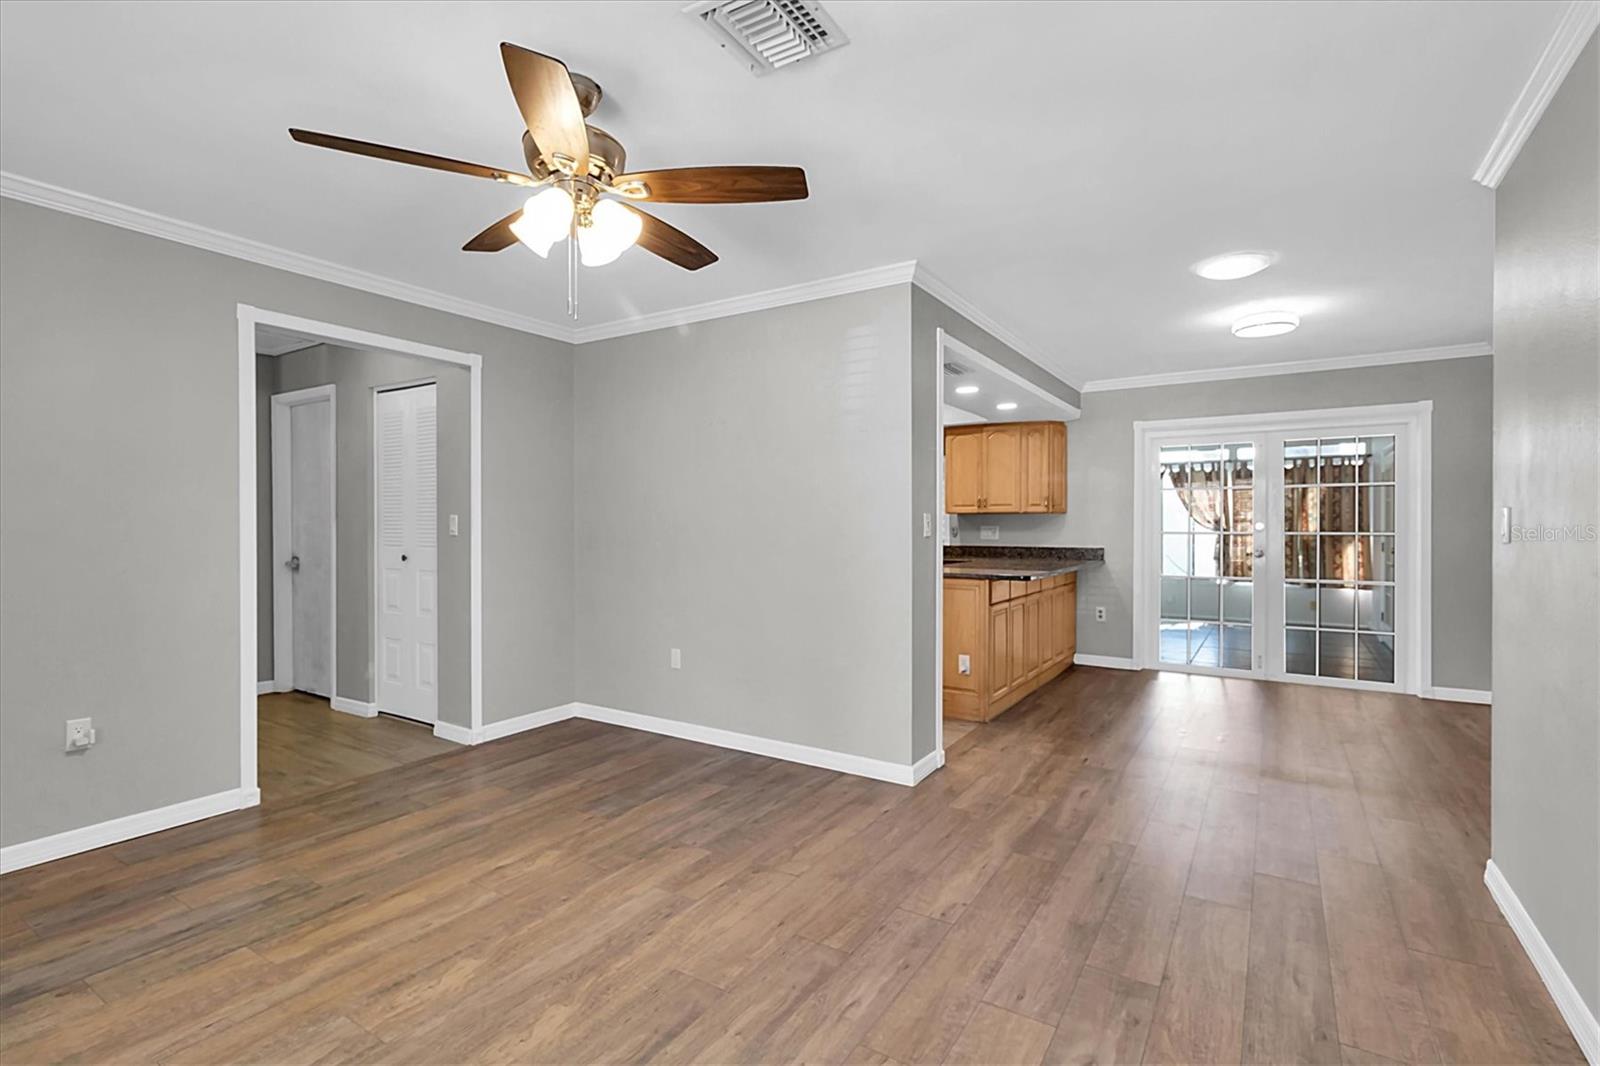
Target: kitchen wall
{"type": "Point", "coordinates": [716, 460]}
{"type": "Point", "coordinates": [119, 533]}
{"type": "Point", "coordinates": [1100, 492]}
{"type": "Point", "coordinates": [1546, 739]}
{"type": "Point", "coordinates": [929, 314]}
{"type": "Point", "coordinates": [356, 373]}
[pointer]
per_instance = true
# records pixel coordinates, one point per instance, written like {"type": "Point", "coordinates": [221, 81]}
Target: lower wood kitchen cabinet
{"type": "Point", "coordinates": [1003, 639]}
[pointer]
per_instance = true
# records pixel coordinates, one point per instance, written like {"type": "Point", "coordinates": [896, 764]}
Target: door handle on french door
{"type": "Point", "coordinates": [293, 563]}
{"type": "Point", "coordinates": [1260, 553]}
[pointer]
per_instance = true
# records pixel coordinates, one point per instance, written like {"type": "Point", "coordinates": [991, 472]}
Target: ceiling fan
{"type": "Point", "coordinates": [586, 196]}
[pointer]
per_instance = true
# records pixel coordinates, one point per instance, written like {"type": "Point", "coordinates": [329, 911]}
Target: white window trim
{"type": "Point", "coordinates": [1417, 624]}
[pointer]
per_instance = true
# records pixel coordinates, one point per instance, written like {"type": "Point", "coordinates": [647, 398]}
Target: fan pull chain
{"type": "Point", "coordinates": [572, 269]}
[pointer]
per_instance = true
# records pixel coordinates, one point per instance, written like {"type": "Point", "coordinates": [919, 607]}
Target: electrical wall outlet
{"type": "Point", "coordinates": [988, 532]}
{"type": "Point", "coordinates": [677, 659]}
{"type": "Point", "coordinates": [80, 733]}
{"type": "Point", "coordinates": [1099, 614]}
{"type": "Point", "coordinates": [963, 664]}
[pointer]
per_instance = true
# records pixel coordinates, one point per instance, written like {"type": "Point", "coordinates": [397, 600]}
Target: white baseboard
{"type": "Point", "coordinates": [101, 834]}
{"type": "Point", "coordinates": [1108, 662]}
{"type": "Point", "coordinates": [1457, 695]}
{"type": "Point", "coordinates": [860, 766]}
{"type": "Point", "coordinates": [455, 734]}
{"type": "Point", "coordinates": [524, 722]}
{"type": "Point", "coordinates": [1585, 1029]}
{"type": "Point", "coordinates": [355, 707]}
{"type": "Point", "coordinates": [877, 769]}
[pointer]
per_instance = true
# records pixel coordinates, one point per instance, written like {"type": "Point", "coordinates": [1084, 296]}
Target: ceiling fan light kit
{"type": "Point", "coordinates": [585, 196]}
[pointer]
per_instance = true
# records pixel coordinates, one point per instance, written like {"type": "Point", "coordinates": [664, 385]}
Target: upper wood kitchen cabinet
{"type": "Point", "coordinates": [1006, 468]}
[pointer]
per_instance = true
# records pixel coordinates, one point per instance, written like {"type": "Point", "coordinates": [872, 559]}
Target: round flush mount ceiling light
{"type": "Point", "coordinates": [966, 390]}
{"type": "Point", "coordinates": [1266, 324]}
{"type": "Point", "coordinates": [1233, 266]}
{"type": "Point", "coordinates": [1007, 406]}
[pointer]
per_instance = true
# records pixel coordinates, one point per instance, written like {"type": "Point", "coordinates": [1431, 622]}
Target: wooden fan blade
{"type": "Point", "coordinates": [497, 237]}
{"type": "Point", "coordinates": [671, 243]}
{"type": "Point", "coordinates": [549, 106]}
{"type": "Point", "coordinates": [715, 185]}
{"type": "Point", "coordinates": [406, 155]}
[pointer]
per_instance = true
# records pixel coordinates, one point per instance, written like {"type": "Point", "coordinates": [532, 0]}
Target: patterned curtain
{"type": "Point", "coordinates": [1203, 491]}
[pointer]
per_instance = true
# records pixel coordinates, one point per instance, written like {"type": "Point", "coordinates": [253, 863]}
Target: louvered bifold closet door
{"type": "Point", "coordinates": [406, 672]}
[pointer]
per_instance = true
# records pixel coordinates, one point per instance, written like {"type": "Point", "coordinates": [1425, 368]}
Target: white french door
{"type": "Point", "coordinates": [406, 653]}
{"type": "Point", "coordinates": [1211, 599]}
{"type": "Point", "coordinates": [1288, 547]}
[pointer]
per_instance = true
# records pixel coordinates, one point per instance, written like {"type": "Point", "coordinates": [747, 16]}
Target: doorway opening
{"type": "Point", "coordinates": [360, 548]}
{"type": "Point", "coordinates": [1001, 463]}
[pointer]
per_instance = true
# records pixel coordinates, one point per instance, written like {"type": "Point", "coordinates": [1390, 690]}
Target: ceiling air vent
{"type": "Point", "coordinates": [765, 35]}
{"type": "Point", "coordinates": [955, 370]}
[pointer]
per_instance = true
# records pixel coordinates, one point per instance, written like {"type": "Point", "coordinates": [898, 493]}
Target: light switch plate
{"type": "Point", "coordinates": [677, 659]}
{"type": "Point", "coordinates": [927, 524]}
{"type": "Point", "coordinates": [455, 525]}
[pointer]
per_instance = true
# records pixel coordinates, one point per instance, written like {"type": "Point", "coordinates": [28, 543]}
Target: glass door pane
{"type": "Point", "coordinates": [1339, 557]}
{"type": "Point", "coordinates": [1208, 544]}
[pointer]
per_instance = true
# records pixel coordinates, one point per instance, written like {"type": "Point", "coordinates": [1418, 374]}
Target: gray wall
{"type": "Point", "coordinates": [716, 462]}
{"type": "Point", "coordinates": [356, 373]}
{"type": "Point", "coordinates": [1546, 746]}
{"type": "Point", "coordinates": [929, 315]}
{"type": "Point", "coordinates": [1100, 492]}
{"type": "Point", "coordinates": [119, 530]}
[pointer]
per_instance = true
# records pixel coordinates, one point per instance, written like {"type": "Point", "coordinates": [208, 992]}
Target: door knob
{"type": "Point", "coordinates": [293, 563]}
{"type": "Point", "coordinates": [1260, 553]}
{"type": "Point", "coordinates": [403, 558]}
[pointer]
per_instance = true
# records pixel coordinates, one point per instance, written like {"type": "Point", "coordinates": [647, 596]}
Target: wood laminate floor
{"type": "Point", "coordinates": [304, 746]}
{"type": "Point", "coordinates": [1125, 867]}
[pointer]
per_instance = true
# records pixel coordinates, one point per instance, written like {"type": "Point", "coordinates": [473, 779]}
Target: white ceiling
{"type": "Point", "coordinates": [994, 386]}
{"type": "Point", "coordinates": [273, 340]}
{"type": "Point", "coordinates": [1058, 165]}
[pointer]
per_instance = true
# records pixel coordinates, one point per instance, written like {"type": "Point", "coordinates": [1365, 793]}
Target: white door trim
{"type": "Point", "coordinates": [940, 523]}
{"type": "Point", "coordinates": [249, 563]}
{"type": "Point", "coordinates": [1416, 418]}
{"type": "Point", "coordinates": [282, 586]}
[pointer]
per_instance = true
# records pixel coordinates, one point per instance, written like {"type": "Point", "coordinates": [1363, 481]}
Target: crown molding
{"type": "Point", "coordinates": [84, 205]}
{"type": "Point", "coordinates": [43, 194]}
{"type": "Point", "coordinates": [1577, 23]}
{"type": "Point", "coordinates": [937, 288]}
{"type": "Point", "coordinates": [1306, 366]}
{"type": "Point", "coordinates": [838, 285]}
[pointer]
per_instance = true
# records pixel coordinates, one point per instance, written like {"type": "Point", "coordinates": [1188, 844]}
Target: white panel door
{"type": "Point", "coordinates": [406, 656]}
{"type": "Point", "coordinates": [311, 543]}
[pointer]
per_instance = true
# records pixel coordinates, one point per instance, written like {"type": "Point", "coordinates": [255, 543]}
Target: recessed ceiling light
{"type": "Point", "coordinates": [1007, 406]}
{"type": "Point", "coordinates": [1266, 324]}
{"type": "Point", "coordinates": [1233, 266]}
{"type": "Point", "coordinates": [966, 390]}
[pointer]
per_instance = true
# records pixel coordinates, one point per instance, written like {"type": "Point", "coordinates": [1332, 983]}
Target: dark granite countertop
{"type": "Point", "coordinates": [1015, 563]}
